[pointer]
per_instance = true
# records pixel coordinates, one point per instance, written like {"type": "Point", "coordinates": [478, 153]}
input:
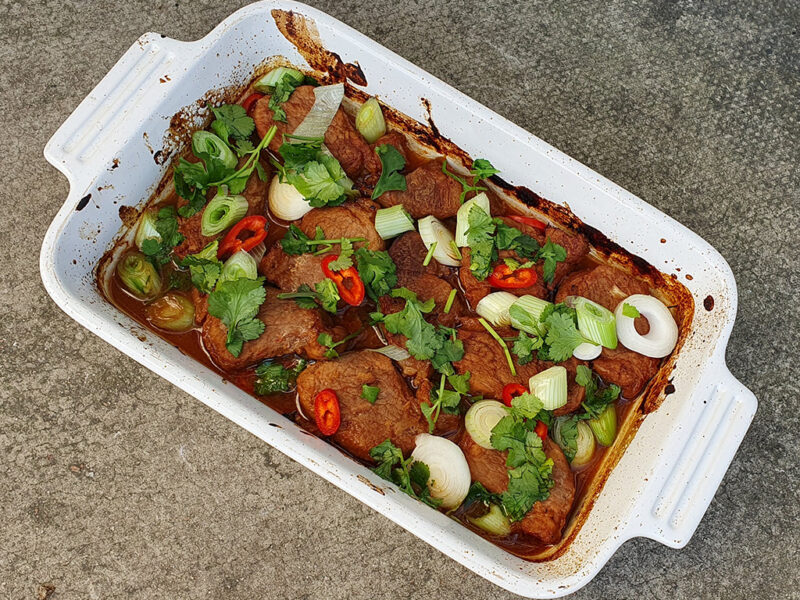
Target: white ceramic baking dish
{"type": "Point", "coordinates": [667, 476]}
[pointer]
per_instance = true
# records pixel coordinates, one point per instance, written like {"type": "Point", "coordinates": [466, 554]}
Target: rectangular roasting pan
{"type": "Point", "coordinates": [114, 149]}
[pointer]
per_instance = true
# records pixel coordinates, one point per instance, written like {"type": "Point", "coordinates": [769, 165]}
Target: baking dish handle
{"type": "Point", "coordinates": [677, 501]}
{"type": "Point", "coordinates": [137, 83]}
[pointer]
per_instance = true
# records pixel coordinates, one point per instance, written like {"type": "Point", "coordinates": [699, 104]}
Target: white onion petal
{"type": "Point", "coordinates": [663, 334]}
{"type": "Point", "coordinates": [327, 99]}
{"type": "Point", "coordinates": [449, 472]}
{"type": "Point", "coordinates": [481, 418]}
{"type": "Point", "coordinates": [285, 202]}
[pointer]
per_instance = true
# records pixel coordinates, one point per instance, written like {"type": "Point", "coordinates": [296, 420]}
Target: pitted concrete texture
{"type": "Point", "coordinates": [117, 485]}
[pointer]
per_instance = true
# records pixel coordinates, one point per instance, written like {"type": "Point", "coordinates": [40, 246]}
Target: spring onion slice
{"type": "Point", "coordinates": [239, 266]}
{"type": "Point", "coordinates": [587, 351]}
{"type": "Point", "coordinates": [173, 312]}
{"type": "Point", "coordinates": [525, 313]}
{"type": "Point", "coordinates": [494, 521]}
{"type": "Point", "coordinates": [462, 216]}
{"type": "Point", "coordinates": [432, 230]}
{"type": "Point", "coordinates": [595, 322]}
{"type": "Point", "coordinates": [502, 343]}
{"type": "Point", "coordinates": [285, 202]}
{"type": "Point", "coordinates": [391, 351]}
{"type": "Point", "coordinates": [494, 307]}
{"type": "Point", "coordinates": [663, 334]}
{"type": "Point", "coordinates": [222, 212]}
{"type": "Point", "coordinates": [206, 145]}
{"type": "Point", "coordinates": [481, 419]}
{"type": "Point", "coordinates": [450, 478]}
{"type": "Point", "coordinates": [550, 386]}
{"type": "Point", "coordinates": [147, 228]}
{"type": "Point", "coordinates": [327, 99]}
{"type": "Point", "coordinates": [450, 299]}
{"type": "Point", "coordinates": [604, 427]}
{"type": "Point", "coordinates": [391, 222]}
{"type": "Point", "coordinates": [139, 275]}
{"type": "Point", "coordinates": [427, 260]}
{"type": "Point", "coordinates": [584, 440]}
{"type": "Point", "coordinates": [370, 122]}
{"type": "Point", "coordinates": [267, 83]}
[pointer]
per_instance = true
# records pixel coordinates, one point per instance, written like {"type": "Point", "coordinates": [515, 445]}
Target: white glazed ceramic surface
{"type": "Point", "coordinates": [672, 468]}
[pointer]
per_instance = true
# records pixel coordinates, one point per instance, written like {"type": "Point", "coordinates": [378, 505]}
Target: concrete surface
{"type": "Point", "coordinates": [114, 484]}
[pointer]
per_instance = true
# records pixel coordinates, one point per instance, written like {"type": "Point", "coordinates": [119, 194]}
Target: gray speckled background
{"type": "Point", "coordinates": [115, 484]}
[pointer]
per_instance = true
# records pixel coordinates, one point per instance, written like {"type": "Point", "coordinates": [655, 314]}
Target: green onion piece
{"type": "Point", "coordinates": [267, 83]}
{"type": "Point", "coordinates": [139, 275]}
{"type": "Point", "coordinates": [550, 386]}
{"type": "Point", "coordinates": [173, 312]}
{"type": "Point", "coordinates": [207, 146]}
{"type": "Point", "coordinates": [429, 255]}
{"type": "Point", "coordinates": [391, 222]}
{"type": "Point", "coordinates": [502, 343]}
{"type": "Point", "coordinates": [494, 521]}
{"type": "Point", "coordinates": [525, 313]}
{"type": "Point", "coordinates": [209, 252]}
{"type": "Point", "coordinates": [604, 427]}
{"type": "Point", "coordinates": [449, 304]}
{"type": "Point", "coordinates": [481, 419]}
{"type": "Point", "coordinates": [586, 445]}
{"type": "Point", "coordinates": [369, 121]}
{"type": "Point", "coordinates": [456, 251]}
{"type": "Point", "coordinates": [494, 307]}
{"type": "Point", "coordinates": [147, 228]}
{"type": "Point", "coordinates": [596, 322]}
{"type": "Point", "coordinates": [222, 212]}
{"type": "Point", "coordinates": [241, 265]}
{"type": "Point", "coordinates": [576, 440]}
{"type": "Point", "coordinates": [462, 216]}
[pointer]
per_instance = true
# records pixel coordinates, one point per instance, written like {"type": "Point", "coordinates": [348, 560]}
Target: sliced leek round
{"type": "Point", "coordinates": [481, 418]}
{"type": "Point", "coordinates": [587, 351]}
{"type": "Point", "coordinates": [432, 230]}
{"type": "Point", "coordinates": [494, 307]}
{"type": "Point", "coordinates": [550, 386]}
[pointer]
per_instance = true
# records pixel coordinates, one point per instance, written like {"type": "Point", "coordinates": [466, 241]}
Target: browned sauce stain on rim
{"type": "Point", "coordinates": [708, 303]}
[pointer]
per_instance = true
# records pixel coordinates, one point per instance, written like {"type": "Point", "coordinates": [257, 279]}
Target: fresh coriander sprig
{"type": "Point", "coordinates": [481, 169]}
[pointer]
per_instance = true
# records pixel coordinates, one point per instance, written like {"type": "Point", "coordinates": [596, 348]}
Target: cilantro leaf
{"type": "Point", "coordinates": [526, 406]}
{"type": "Point", "coordinates": [343, 261]}
{"type": "Point", "coordinates": [562, 337]}
{"type": "Point", "coordinates": [232, 121]}
{"type": "Point", "coordinates": [524, 347]}
{"type": "Point", "coordinates": [386, 454]}
{"type": "Point", "coordinates": [295, 241]}
{"type": "Point", "coordinates": [377, 270]}
{"type": "Point", "coordinates": [272, 378]}
{"type": "Point", "coordinates": [596, 399]}
{"type": "Point", "coordinates": [527, 485]}
{"type": "Point", "coordinates": [481, 243]}
{"type": "Point", "coordinates": [328, 294]}
{"type": "Point", "coordinates": [370, 394]}
{"type": "Point", "coordinates": [552, 255]}
{"type": "Point", "coordinates": [236, 304]}
{"type": "Point", "coordinates": [166, 224]}
{"type": "Point", "coordinates": [482, 169]}
{"type": "Point", "coordinates": [392, 162]}
{"type": "Point", "coordinates": [325, 293]}
{"type": "Point", "coordinates": [281, 92]}
{"type": "Point", "coordinates": [409, 475]}
{"type": "Point", "coordinates": [451, 350]}
{"type": "Point", "coordinates": [630, 311]}
{"type": "Point", "coordinates": [568, 436]}
{"type": "Point", "coordinates": [204, 268]}
{"type": "Point", "coordinates": [460, 383]}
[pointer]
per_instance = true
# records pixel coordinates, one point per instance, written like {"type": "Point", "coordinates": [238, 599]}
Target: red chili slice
{"type": "Point", "coordinates": [348, 282]}
{"type": "Point", "coordinates": [505, 278]}
{"type": "Point", "coordinates": [535, 223]}
{"type": "Point", "coordinates": [541, 430]}
{"type": "Point", "coordinates": [327, 415]}
{"type": "Point", "coordinates": [511, 391]}
{"type": "Point", "coordinates": [250, 101]}
{"type": "Point", "coordinates": [245, 235]}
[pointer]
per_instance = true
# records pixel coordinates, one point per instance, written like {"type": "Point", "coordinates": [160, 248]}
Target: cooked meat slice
{"type": "Point", "coordinates": [289, 272]}
{"type": "Point", "coordinates": [395, 415]}
{"type": "Point", "coordinates": [288, 329]}
{"type": "Point", "coordinates": [341, 138]}
{"type": "Point", "coordinates": [408, 253]}
{"type": "Point", "coordinates": [485, 360]}
{"type": "Point", "coordinates": [485, 466]}
{"type": "Point", "coordinates": [255, 191]}
{"type": "Point", "coordinates": [603, 284]}
{"type": "Point", "coordinates": [629, 370]}
{"type": "Point", "coordinates": [200, 305]}
{"type": "Point", "coordinates": [352, 219]}
{"type": "Point", "coordinates": [546, 519]}
{"type": "Point", "coordinates": [428, 192]}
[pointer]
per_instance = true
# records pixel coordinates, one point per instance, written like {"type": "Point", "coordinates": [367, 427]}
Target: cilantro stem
{"type": "Point", "coordinates": [429, 255]}
{"type": "Point", "coordinates": [466, 187]}
{"type": "Point", "coordinates": [449, 304]}
{"type": "Point", "coordinates": [502, 343]}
